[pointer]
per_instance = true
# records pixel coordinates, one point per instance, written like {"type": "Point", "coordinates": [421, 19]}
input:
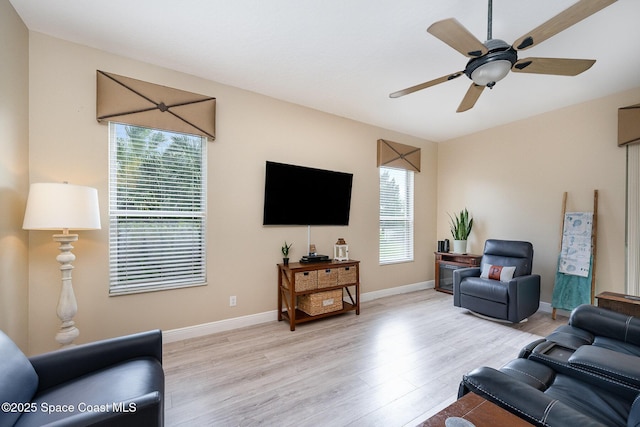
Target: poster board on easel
{"type": "Point", "coordinates": [575, 277]}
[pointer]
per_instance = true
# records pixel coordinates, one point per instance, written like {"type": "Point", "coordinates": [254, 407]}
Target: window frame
{"type": "Point", "coordinates": [386, 253]}
{"type": "Point", "coordinates": [177, 256]}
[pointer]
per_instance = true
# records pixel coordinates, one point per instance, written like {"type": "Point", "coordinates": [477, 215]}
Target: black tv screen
{"type": "Point", "coordinates": [298, 195]}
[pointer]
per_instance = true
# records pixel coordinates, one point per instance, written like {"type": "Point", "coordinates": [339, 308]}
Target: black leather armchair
{"type": "Point", "coordinates": [117, 382]}
{"type": "Point", "coordinates": [509, 298]}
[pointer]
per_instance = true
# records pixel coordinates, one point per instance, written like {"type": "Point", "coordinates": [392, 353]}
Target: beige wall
{"type": "Point", "coordinates": [14, 180]}
{"type": "Point", "coordinates": [512, 179]}
{"type": "Point", "coordinates": [66, 143]}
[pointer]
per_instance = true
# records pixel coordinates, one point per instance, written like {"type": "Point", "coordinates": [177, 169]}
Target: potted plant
{"type": "Point", "coordinates": [460, 229]}
{"type": "Point", "coordinates": [285, 252]}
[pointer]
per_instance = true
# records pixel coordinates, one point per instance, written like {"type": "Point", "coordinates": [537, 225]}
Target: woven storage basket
{"type": "Point", "coordinates": [321, 302]}
{"type": "Point", "coordinates": [347, 275]}
{"type": "Point", "coordinates": [305, 280]}
{"type": "Point", "coordinates": [327, 278]}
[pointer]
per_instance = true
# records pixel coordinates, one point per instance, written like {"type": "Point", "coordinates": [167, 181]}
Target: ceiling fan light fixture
{"type": "Point", "coordinates": [491, 72]}
{"type": "Point", "coordinates": [493, 66]}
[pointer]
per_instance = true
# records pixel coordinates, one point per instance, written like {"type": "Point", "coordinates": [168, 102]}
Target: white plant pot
{"type": "Point", "coordinates": [460, 246]}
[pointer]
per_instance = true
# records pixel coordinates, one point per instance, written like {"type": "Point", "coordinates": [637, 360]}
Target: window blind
{"type": "Point", "coordinates": [157, 209]}
{"type": "Point", "coordinates": [396, 215]}
{"type": "Point", "coordinates": [633, 219]}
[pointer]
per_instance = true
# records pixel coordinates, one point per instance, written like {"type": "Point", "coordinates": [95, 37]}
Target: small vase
{"type": "Point", "coordinates": [285, 261]}
{"type": "Point", "coordinates": [460, 246]}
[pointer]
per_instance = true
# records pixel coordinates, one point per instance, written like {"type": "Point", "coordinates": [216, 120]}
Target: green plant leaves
{"type": "Point", "coordinates": [285, 248]}
{"type": "Point", "coordinates": [461, 225]}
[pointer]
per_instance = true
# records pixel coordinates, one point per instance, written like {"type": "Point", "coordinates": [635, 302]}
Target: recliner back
{"type": "Point", "coordinates": [509, 253]}
{"type": "Point", "coordinates": [16, 370]}
{"type": "Point", "coordinates": [606, 323]}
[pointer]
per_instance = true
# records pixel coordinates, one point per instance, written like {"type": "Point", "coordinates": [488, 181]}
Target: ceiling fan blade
{"type": "Point", "coordinates": [425, 85]}
{"type": "Point", "coordinates": [560, 22]}
{"type": "Point", "coordinates": [458, 37]}
{"type": "Point", "coordinates": [556, 66]}
{"type": "Point", "coordinates": [469, 100]}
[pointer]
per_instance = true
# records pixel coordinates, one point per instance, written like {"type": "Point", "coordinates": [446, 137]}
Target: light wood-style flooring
{"type": "Point", "coordinates": [397, 363]}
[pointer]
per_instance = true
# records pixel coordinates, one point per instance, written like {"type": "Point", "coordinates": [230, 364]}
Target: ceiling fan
{"type": "Point", "coordinates": [492, 60]}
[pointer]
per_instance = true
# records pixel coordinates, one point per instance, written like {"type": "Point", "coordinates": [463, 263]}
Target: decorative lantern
{"type": "Point", "coordinates": [341, 250]}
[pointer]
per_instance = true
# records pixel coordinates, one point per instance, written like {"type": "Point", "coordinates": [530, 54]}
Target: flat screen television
{"type": "Point", "coordinates": [298, 195]}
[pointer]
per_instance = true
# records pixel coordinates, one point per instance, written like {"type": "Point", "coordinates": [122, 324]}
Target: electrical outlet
{"type": "Point", "coordinates": [232, 301]}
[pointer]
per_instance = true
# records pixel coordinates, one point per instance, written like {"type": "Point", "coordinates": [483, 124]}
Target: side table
{"type": "Point", "coordinates": [446, 262]}
{"type": "Point", "coordinates": [625, 304]}
{"type": "Point", "coordinates": [478, 411]}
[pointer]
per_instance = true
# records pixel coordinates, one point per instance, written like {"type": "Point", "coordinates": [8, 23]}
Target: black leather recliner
{"type": "Point", "coordinates": [511, 299]}
{"type": "Point", "coordinates": [584, 373]}
{"type": "Point", "coordinates": [117, 382]}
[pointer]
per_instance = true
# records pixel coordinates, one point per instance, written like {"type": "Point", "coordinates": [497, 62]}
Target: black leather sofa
{"type": "Point", "coordinates": [114, 382]}
{"type": "Point", "coordinates": [586, 373]}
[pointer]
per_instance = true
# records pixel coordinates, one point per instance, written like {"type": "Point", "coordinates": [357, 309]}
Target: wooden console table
{"type": "Point", "coordinates": [446, 262]}
{"type": "Point", "coordinates": [298, 283]}
{"type": "Point", "coordinates": [625, 304]}
{"type": "Point", "coordinates": [478, 411]}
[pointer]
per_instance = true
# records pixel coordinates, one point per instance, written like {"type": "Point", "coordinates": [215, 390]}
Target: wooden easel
{"type": "Point", "coordinates": [594, 239]}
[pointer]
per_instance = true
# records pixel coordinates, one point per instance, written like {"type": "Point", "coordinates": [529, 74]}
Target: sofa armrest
{"type": "Point", "coordinates": [461, 273]}
{"type": "Point", "coordinates": [523, 400]}
{"type": "Point", "coordinates": [570, 337]}
{"type": "Point", "coordinates": [528, 349]}
{"type": "Point", "coordinates": [524, 296]}
{"type": "Point", "coordinates": [608, 363]}
{"type": "Point", "coordinates": [606, 323]}
{"type": "Point", "coordinates": [141, 411]}
{"type": "Point", "coordinates": [529, 283]}
{"type": "Point", "coordinates": [603, 368]}
{"type": "Point", "coordinates": [458, 275]}
{"type": "Point", "coordinates": [68, 363]}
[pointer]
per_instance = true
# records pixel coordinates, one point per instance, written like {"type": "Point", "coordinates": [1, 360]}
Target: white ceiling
{"type": "Point", "coordinates": [345, 56]}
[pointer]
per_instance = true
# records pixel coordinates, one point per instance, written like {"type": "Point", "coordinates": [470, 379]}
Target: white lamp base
{"type": "Point", "coordinates": [67, 305]}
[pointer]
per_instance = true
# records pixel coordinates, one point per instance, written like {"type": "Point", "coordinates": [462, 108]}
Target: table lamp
{"type": "Point", "coordinates": [62, 206]}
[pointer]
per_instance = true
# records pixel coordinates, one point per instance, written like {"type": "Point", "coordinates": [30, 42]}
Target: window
{"type": "Point", "coordinates": [633, 219]}
{"type": "Point", "coordinates": [396, 215]}
{"type": "Point", "coordinates": [157, 209]}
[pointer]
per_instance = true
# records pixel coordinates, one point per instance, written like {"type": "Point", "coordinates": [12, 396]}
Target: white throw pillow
{"type": "Point", "coordinates": [497, 272]}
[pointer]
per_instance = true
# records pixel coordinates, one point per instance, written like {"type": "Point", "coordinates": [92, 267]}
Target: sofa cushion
{"type": "Point", "coordinates": [599, 404]}
{"type": "Point", "coordinates": [97, 392]}
{"type": "Point", "coordinates": [615, 345]}
{"type": "Point", "coordinates": [606, 323]}
{"type": "Point", "coordinates": [21, 379]}
{"type": "Point", "coordinates": [492, 290]}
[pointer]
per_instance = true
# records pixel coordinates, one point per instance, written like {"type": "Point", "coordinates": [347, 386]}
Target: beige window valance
{"type": "Point", "coordinates": [126, 100]}
{"type": "Point", "coordinates": [629, 125]}
{"type": "Point", "coordinates": [395, 155]}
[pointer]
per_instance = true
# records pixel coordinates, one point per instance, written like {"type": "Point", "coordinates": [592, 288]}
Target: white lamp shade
{"type": "Point", "coordinates": [56, 206]}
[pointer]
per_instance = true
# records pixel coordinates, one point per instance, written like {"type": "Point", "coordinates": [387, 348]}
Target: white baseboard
{"type": "Point", "coordinates": [370, 296]}
{"type": "Point", "coordinates": [195, 331]}
{"type": "Point", "coordinates": [547, 308]}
